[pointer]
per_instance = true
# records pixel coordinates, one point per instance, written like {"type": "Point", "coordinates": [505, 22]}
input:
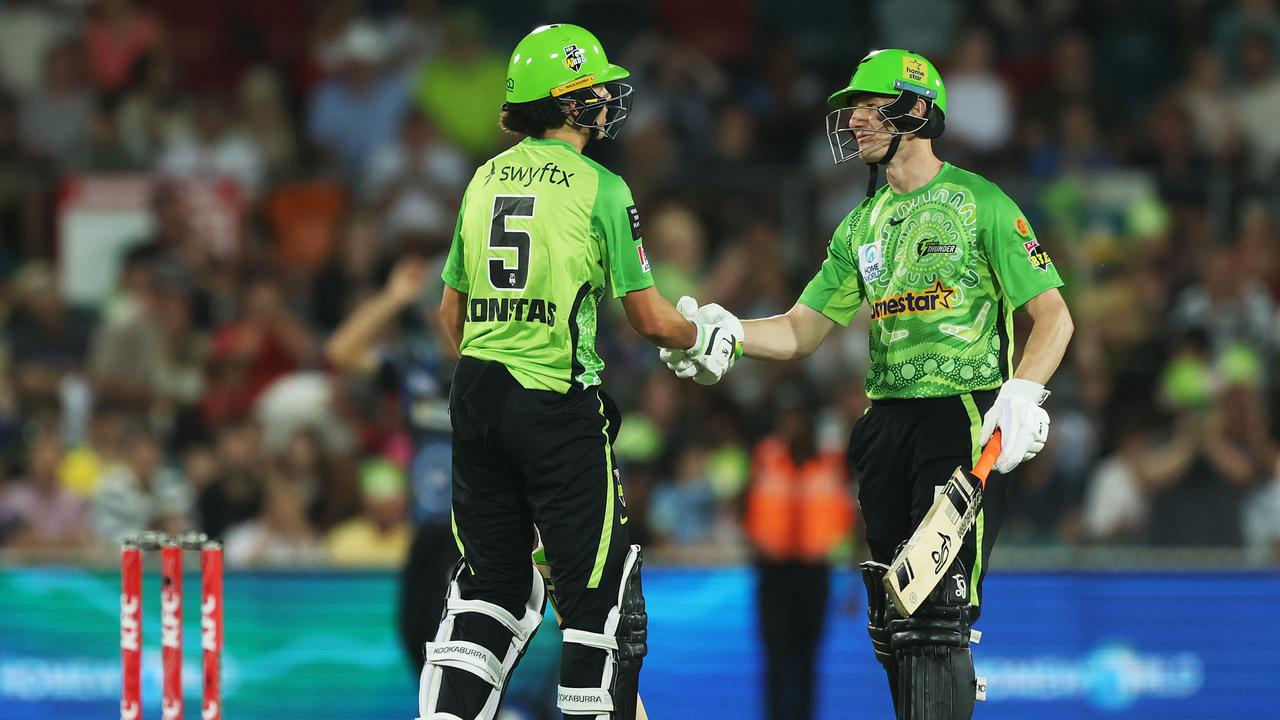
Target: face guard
{"type": "Point", "coordinates": [896, 121]}
{"type": "Point", "coordinates": [597, 112]}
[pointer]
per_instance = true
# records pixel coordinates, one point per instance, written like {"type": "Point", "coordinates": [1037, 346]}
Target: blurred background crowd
{"type": "Point", "coordinates": [194, 195]}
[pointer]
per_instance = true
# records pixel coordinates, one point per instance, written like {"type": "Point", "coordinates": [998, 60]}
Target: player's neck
{"type": "Point", "coordinates": [912, 167]}
{"type": "Point", "coordinates": [572, 135]}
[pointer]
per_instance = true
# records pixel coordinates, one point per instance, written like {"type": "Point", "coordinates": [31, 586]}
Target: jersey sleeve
{"type": "Point", "coordinates": [616, 221]}
{"type": "Point", "coordinates": [836, 290]}
{"type": "Point", "coordinates": [455, 267]}
{"type": "Point", "coordinates": [1020, 263]}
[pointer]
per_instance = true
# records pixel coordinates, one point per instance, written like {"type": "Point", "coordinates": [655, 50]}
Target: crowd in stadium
{"type": "Point", "coordinates": [291, 153]}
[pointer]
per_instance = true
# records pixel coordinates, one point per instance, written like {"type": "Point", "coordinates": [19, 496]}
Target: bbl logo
{"type": "Point", "coordinates": [574, 57]}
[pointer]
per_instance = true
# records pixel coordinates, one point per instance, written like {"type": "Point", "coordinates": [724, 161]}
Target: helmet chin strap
{"type": "Point", "coordinates": [874, 179]}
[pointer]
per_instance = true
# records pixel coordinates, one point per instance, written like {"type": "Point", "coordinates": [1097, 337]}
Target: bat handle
{"type": "Point", "coordinates": [988, 458]}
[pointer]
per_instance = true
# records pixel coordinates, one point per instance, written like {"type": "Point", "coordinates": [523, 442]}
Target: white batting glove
{"type": "Point", "coordinates": [719, 343]}
{"type": "Point", "coordinates": [1024, 425]}
{"type": "Point", "coordinates": [716, 347]}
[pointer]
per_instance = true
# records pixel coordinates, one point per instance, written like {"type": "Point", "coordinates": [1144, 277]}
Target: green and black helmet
{"type": "Point", "coordinates": [902, 75]}
{"type": "Point", "coordinates": [566, 62]}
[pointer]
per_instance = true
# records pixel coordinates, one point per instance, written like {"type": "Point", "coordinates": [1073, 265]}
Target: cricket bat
{"type": "Point", "coordinates": [920, 566]}
{"type": "Point", "coordinates": [540, 562]}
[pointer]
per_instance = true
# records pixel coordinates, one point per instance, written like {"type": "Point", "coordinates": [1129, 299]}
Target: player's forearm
{"type": "Point", "coordinates": [771, 338]}
{"type": "Point", "coordinates": [351, 344]}
{"type": "Point", "coordinates": [793, 335]}
{"type": "Point", "coordinates": [669, 330]}
{"type": "Point", "coordinates": [655, 319]}
{"type": "Point", "coordinates": [1048, 341]}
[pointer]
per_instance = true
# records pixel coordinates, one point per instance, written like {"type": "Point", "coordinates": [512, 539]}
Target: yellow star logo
{"type": "Point", "coordinates": [943, 292]}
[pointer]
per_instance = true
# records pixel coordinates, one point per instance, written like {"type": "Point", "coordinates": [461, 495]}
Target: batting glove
{"type": "Point", "coordinates": [717, 346]}
{"type": "Point", "coordinates": [1024, 425]}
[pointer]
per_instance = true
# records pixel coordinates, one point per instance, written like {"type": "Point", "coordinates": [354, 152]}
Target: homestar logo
{"type": "Point", "coordinates": [912, 302]}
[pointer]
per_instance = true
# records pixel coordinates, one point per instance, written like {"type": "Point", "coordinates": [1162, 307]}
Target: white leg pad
{"type": "Point", "coordinates": [597, 702]}
{"type": "Point", "coordinates": [445, 652]}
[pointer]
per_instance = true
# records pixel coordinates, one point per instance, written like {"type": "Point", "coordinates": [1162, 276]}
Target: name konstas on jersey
{"type": "Point", "coordinates": [512, 310]}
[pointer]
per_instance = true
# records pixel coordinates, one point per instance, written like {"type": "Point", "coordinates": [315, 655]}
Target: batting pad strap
{"type": "Point", "coordinates": [590, 639]}
{"type": "Point", "coordinates": [473, 658]}
{"type": "Point", "coordinates": [583, 701]}
{"type": "Point", "coordinates": [458, 606]}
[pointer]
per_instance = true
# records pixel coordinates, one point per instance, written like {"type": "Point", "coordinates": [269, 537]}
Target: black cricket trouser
{"type": "Point", "coordinates": [902, 451]}
{"type": "Point", "coordinates": [792, 608]}
{"type": "Point", "coordinates": [532, 457]}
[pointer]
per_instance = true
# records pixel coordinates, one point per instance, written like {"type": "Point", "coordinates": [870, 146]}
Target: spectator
{"type": "Point", "coordinates": [1171, 155]}
{"type": "Point", "coordinates": [1257, 100]}
{"type": "Point", "coordinates": [980, 111]}
{"type": "Point", "coordinates": [216, 149]}
{"type": "Point", "coordinates": [1235, 25]}
{"type": "Point", "coordinates": [1225, 304]}
{"type": "Point", "coordinates": [1116, 503]}
{"type": "Point", "coordinates": [358, 110]}
{"type": "Point", "coordinates": [48, 515]}
{"type": "Point", "coordinates": [349, 274]}
{"type": "Point", "coordinates": [48, 339]}
{"type": "Point", "coordinates": [683, 511]}
{"type": "Point", "coordinates": [1204, 93]}
{"type": "Point", "coordinates": [268, 125]}
{"type": "Point", "coordinates": [84, 465]}
{"type": "Point", "coordinates": [1076, 147]}
{"type": "Point", "coordinates": [462, 88]}
{"type": "Point", "coordinates": [231, 490]}
{"type": "Point", "coordinates": [265, 343]}
{"type": "Point", "coordinates": [281, 536]}
{"type": "Point", "coordinates": [380, 537]}
{"type": "Point", "coordinates": [416, 183]}
{"type": "Point", "coordinates": [117, 36]}
{"type": "Point", "coordinates": [798, 511]}
{"type": "Point", "coordinates": [153, 113]}
{"type": "Point", "coordinates": [676, 239]}
{"type": "Point", "coordinates": [28, 30]}
{"type": "Point", "coordinates": [102, 150]}
{"type": "Point", "coordinates": [1262, 520]}
{"type": "Point", "coordinates": [57, 115]}
{"type": "Point", "coordinates": [140, 493]}
{"type": "Point", "coordinates": [124, 356]}
{"type": "Point", "coordinates": [23, 178]}
{"type": "Point", "coordinates": [900, 25]}
{"type": "Point", "coordinates": [1200, 475]}
{"type": "Point", "coordinates": [416, 34]}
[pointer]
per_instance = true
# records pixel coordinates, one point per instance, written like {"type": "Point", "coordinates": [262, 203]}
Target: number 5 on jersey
{"type": "Point", "coordinates": [503, 276]}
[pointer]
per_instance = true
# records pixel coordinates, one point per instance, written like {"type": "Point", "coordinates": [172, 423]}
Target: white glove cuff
{"type": "Point", "coordinates": [1020, 389]}
{"type": "Point", "coordinates": [699, 339]}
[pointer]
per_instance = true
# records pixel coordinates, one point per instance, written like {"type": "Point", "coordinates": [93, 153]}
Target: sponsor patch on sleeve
{"type": "Point", "coordinates": [1037, 255]}
{"type": "Point", "coordinates": [870, 261]}
{"type": "Point", "coordinates": [1021, 227]}
{"type": "Point", "coordinates": [633, 215]}
{"type": "Point", "coordinates": [644, 259]}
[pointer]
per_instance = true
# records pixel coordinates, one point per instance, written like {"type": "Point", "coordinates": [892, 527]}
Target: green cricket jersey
{"type": "Point", "coordinates": [942, 269]}
{"type": "Point", "coordinates": [541, 231]}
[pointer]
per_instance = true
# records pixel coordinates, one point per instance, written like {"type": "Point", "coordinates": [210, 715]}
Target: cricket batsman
{"type": "Point", "coordinates": [942, 257]}
{"type": "Point", "coordinates": [542, 234]}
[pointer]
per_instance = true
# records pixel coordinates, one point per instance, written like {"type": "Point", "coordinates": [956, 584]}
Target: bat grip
{"type": "Point", "coordinates": [988, 458]}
